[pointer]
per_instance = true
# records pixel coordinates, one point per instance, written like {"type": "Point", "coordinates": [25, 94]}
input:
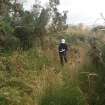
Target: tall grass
{"type": "Point", "coordinates": [36, 78]}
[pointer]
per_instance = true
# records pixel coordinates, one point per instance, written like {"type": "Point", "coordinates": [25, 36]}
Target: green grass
{"type": "Point", "coordinates": [64, 96]}
{"type": "Point", "coordinates": [28, 78]}
{"type": "Point", "coordinates": [35, 77]}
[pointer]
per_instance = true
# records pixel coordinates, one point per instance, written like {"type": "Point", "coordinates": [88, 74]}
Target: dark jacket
{"type": "Point", "coordinates": [63, 48]}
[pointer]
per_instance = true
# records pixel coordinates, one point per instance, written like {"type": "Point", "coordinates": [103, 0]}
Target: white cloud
{"type": "Point", "coordinates": [80, 11]}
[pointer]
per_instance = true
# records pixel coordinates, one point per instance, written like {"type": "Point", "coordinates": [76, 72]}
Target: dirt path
{"type": "Point", "coordinates": [77, 59]}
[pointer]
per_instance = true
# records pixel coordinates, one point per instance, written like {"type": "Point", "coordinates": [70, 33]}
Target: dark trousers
{"type": "Point", "coordinates": [63, 58]}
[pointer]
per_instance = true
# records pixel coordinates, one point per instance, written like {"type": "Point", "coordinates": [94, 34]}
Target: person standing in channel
{"type": "Point", "coordinates": [63, 48]}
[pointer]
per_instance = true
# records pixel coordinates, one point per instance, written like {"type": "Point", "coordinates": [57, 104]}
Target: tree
{"type": "Point", "coordinates": [58, 19]}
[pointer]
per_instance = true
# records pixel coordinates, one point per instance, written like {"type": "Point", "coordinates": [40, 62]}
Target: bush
{"type": "Point", "coordinates": [7, 40]}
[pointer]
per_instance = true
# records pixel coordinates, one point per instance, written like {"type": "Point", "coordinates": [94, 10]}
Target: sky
{"type": "Point", "coordinates": [79, 11]}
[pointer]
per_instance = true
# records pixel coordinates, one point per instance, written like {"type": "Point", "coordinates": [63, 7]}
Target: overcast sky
{"type": "Point", "coordinates": [80, 11]}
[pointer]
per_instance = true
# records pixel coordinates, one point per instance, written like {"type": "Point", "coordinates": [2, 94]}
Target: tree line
{"type": "Point", "coordinates": [20, 28]}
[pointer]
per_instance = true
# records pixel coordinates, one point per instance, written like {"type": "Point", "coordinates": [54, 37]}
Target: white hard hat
{"type": "Point", "coordinates": [62, 40]}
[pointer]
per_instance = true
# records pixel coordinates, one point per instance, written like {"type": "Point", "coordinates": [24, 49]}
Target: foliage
{"type": "Point", "coordinates": [34, 76]}
{"type": "Point", "coordinates": [93, 78]}
{"type": "Point", "coordinates": [64, 96]}
{"type": "Point", "coordinates": [58, 19]}
{"type": "Point", "coordinates": [7, 40]}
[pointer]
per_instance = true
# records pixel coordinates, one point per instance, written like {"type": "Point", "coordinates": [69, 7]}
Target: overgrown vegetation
{"type": "Point", "coordinates": [30, 73]}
